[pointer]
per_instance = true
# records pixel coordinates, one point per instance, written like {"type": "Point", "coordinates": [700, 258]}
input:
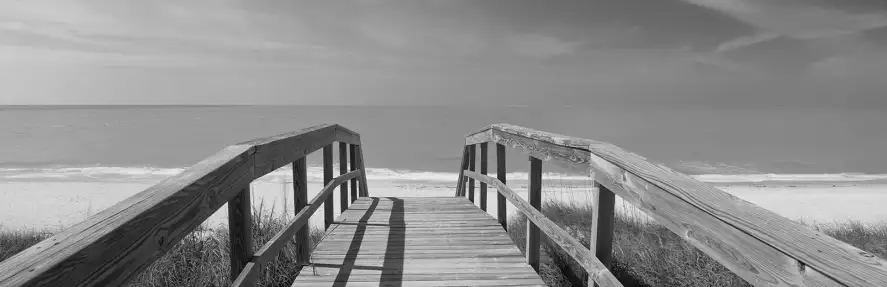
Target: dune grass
{"type": "Point", "coordinates": [645, 253]}
{"type": "Point", "coordinates": [648, 254]}
{"type": "Point", "coordinates": [200, 259]}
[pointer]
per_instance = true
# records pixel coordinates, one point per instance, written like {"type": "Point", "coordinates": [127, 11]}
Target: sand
{"type": "Point", "coordinates": [55, 205]}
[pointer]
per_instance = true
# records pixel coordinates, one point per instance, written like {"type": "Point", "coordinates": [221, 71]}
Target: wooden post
{"type": "Point", "coordinates": [535, 198]}
{"type": "Point", "coordinates": [343, 169]}
{"type": "Point", "coordinates": [240, 231]}
{"type": "Point", "coordinates": [460, 185]}
{"type": "Point", "coordinates": [483, 170]}
{"type": "Point", "coordinates": [601, 241]}
{"type": "Point", "coordinates": [472, 151]}
{"type": "Point", "coordinates": [300, 200]}
{"type": "Point", "coordinates": [352, 154]}
{"type": "Point", "coordinates": [363, 172]}
{"type": "Point", "coordinates": [500, 174]}
{"type": "Point", "coordinates": [327, 178]}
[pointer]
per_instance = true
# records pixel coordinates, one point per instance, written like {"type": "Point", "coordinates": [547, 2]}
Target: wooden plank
{"type": "Point", "coordinates": [343, 169]}
{"type": "Point", "coordinates": [275, 244]}
{"type": "Point", "coordinates": [364, 190]}
{"type": "Point", "coordinates": [596, 270]}
{"type": "Point", "coordinates": [240, 232]}
{"type": "Point", "coordinates": [480, 137]}
{"type": "Point", "coordinates": [327, 178]}
{"type": "Point", "coordinates": [535, 197]}
{"type": "Point", "coordinates": [501, 213]}
{"type": "Point", "coordinates": [601, 240]}
{"type": "Point", "coordinates": [756, 244]}
{"type": "Point", "coordinates": [352, 154]}
{"type": "Point", "coordinates": [460, 184]}
{"type": "Point", "coordinates": [472, 157]}
{"type": "Point", "coordinates": [300, 197]}
{"type": "Point", "coordinates": [470, 248]}
{"type": "Point", "coordinates": [483, 170]}
{"type": "Point", "coordinates": [346, 135]}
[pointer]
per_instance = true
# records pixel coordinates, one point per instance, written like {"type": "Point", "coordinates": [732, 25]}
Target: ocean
{"type": "Point", "coordinates": [732, 144]}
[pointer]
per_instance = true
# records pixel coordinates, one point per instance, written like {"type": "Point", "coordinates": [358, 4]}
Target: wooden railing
{"type": "Point", "coordinates": [116, 244]}
{"type": "Point", "coordinates": [760, 246]}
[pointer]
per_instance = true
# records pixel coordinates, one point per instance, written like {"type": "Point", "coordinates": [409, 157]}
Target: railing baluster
{"type": "Point", "coordinates": [300, 197]}
{"type": "Point", "coordinates": [343, 169]}
{"type": "Point", "coordinates": [602, 225]}
{"type": "Point", "coordinates": [472, 150]}
{"type": "Point", "coordinates": [460, 185]}
{"type": "Point", "coordinates": [240, 231]}
{"type": "Point", "coordinates": [363, 172]}
{"type": "Point", "coordinates": [500, 173]}
{"type": "Point", "coordinates": [483, 170]}
{"type": "Point", "coordinates": [327, 177]}
{"type": "Point", "coordinates": [535, 199]}
{"type": "Point", "coordinates": [353, 159]}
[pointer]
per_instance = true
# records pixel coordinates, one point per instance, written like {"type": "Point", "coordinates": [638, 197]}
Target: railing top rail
{"type": "Point", "coordinates": [757, 244]}
{"type": "Point", "coordinates": [112, 246]}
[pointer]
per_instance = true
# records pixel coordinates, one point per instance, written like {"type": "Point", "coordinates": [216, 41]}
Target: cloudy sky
{"type": "Point", "coordinates": [583, 52]}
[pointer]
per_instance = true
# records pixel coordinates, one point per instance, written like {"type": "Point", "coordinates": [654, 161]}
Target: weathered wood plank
{"type": "Point", "coordinates": [343, 169]}
{"type": "Point", "coordinates": [364, 190]}
{"type": "Point", "coordinates": [352, 154]}
{"type": "Point", "coordinates": [346, 135]}
{"type": "Point", "coordinates": [602, 225]}
{"type": "Point", "coordinates": [480, 137]}
{"type": "Point", "coordinates": [240, 231]}
{"type": "Point", "coordinates": [466, 247]}
{"type": "Point", "coordinates": [327, 178]}
{"type": "Point", "coordinates": [275, 244]}
{"type": "Point", "coordinates": [755, 243]}
{"type": "Point", "coordinates": [535, 197]}
{"type": "Point", "coordinates": [300, 197]}
{"type": "Point", "coordinates": [483, 170]}
{"type": "Point", "coordinates": [472, 157]}
{"type": "Point", "coordinates": [500, 174]}
{"type": "Point", "coordinates": [596, 270]}
{"type": "Point", "coordinates": [460, 184]}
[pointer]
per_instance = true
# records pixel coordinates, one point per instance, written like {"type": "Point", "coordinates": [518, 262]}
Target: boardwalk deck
{"type": "Point", "coordinates": [414, 241]}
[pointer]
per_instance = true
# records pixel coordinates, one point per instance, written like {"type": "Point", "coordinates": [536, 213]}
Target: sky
{"type": "Point", "coordinates": [496, 52]}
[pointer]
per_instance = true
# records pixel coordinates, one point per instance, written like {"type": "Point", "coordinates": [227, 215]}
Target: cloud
{"type": "Point", "coordinates": [540, 46]}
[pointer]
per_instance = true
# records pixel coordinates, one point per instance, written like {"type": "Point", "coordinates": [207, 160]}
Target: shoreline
{"type": "Point", "coordinates": [63, 204]}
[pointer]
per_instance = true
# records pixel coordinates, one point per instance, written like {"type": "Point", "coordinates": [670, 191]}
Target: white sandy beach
{"type": "Point", "coordinates": [55, 205]}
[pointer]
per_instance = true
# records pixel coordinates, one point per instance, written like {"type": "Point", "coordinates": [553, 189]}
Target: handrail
{"type": "Point", "coordinates": [114, 245]}
{"type": "Point", "coordinates": [760, 246]}
{"type": "Point", "coordinates": [598, 272]}
{"type": "Point", "coordinates": [276, 243]}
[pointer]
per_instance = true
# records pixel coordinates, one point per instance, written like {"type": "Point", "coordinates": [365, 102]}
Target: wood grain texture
{"type": "Point", "coordinates": [346, 135]}
{"type": "Point", "coordinates": [270, 250]}
{"type": "Point", "coordinates": [501, 212]}
{"type": "Point", "coordinates": [535, 198]}
{"type": "Point", "coordinates": [483, 170]}
{"type": "Point", "coordinates": [327, 178]}
{"type": "Point", "coordinates": [444, 241]}
{"type": "Point", "coordinates": [300, 197]}
{"type": "Point", "coordinates": [240, 231]}
{"type": "Point", "coordinates": [477, 138]}
{"type": "Point", "coordinates": [596, 270]}
{"type": "Point", "coordinates": [472, 160]}
{"type": "Point", "coordinates": [112, 246]}
{"type": "Point", "coordinates": [756, 244]}
{"type": "Point", "coordinates": [343, 169]}
{"type": "Point", "coordinates": [352, 156]}
{"type": "Point", "coordinates": [364, 189]}
{"type": "Point", "coordinates": [460, 184]}
{"type": "Point", "coordinates": [602, 225]}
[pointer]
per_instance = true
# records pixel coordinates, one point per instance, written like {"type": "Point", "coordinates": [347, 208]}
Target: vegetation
{"type": "Point", "coordinates": [200, 259]}
{"type": "Point", "coordinates": [648, 254]}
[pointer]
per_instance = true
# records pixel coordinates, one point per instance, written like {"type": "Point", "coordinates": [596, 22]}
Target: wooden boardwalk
{"type": "Point", "coordinates": [415, 241]}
